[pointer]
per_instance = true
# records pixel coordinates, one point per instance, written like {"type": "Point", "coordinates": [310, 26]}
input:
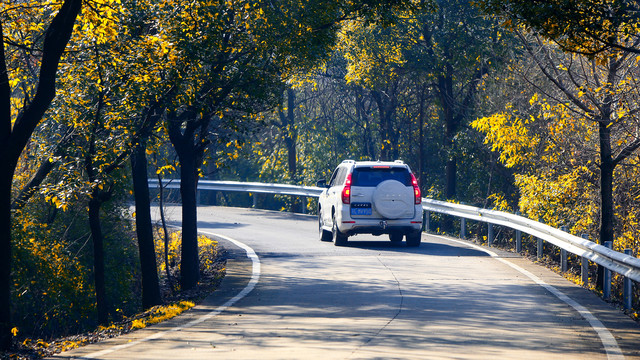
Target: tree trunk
{"type": "Point", "coordinates": [44, 169]}
{"type": "Point", "coordinates": [15, 133]}
{"type": "Point", "coordinates": [167, 266]}
{"type": "Point", "coordinates": [290, 140]}
{"type": "Point", "coordinates": [386, 109]}
{"type": "Point", "coordinates": [421, 160]}
{"type": "Point", "coordinates": [144, 228]}
{"type": "Point", "coordinates": [6, 176]}
{"type": "Point", "coordinates": [190, 147]}
{"type": "Point", "coordinates": [98, 257]}
{"type": "Point", "coordinates": [32, 185]}
{"type": "Point", "coordinates": [291, 136]}
{"type": "Point", "coordinates": [451, 170]}
{"type": "Point", "coordinates": [445, 91]}
{"type": "Point", "coordinates": [189, 266]}
{"type": "Point", "coordinates": [361, 113]}
{"type": "Point", "coordinates": [606, 191]}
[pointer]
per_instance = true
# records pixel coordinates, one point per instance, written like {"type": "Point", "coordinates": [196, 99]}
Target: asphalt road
{"type": "Point", "coordinates": [300, 298]}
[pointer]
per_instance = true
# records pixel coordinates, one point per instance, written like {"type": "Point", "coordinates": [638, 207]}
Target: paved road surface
{"type": "Point", "coordinates": [371, 300]}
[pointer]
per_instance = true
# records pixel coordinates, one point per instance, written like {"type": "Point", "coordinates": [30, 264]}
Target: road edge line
{"type": "Point", "coordinates": [255, 277]}
{"type": "Point", "coordinates": [609, 343]}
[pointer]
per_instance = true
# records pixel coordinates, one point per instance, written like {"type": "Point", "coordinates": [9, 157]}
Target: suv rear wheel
{"type": "Point", "coordinates": [414, 239]}
{"type": "Point", "coordinates": [325, 235]}
{"type": "Point", "coordinates": [339, 239]}
{"type": "Point", "coordinates": [396, 238]}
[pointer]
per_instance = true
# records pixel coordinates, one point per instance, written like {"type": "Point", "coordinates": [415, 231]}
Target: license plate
{"type": "Point", "coordinates": [360, 209]}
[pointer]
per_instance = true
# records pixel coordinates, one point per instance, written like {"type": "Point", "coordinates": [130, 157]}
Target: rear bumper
{"type": "Point", "coordinates": [381, 229]}
{"type": "Point", "coordinates": [352, 226]}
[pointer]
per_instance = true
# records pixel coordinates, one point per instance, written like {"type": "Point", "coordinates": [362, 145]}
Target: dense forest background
{"type": "Point", "coordinates": [499, 104]}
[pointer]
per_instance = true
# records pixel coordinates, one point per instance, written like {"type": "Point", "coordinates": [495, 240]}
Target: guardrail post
{"type": "Point", "coordinates": [198, 193]}
{"type": "Point", "coordinates": [255, 200]}
{"type": "Point", "coordinates": [628, 287]}
{"type": "Point", "coordinates": [563, 253]}
{"type": "Point", "coordinates": [606, 291]}
{"type": "Point", "coordinates": [540, 249]}
{"type": "Point", "coordinates": [304, 204]}
{"type": "Point", "coordinates": [425, 220]}
{"type": "Point", "coordinates": [518, 238]}
{"type": "Point", "coordinates": [463, 228]}
{"type": "Point", "coordinates": [585, 266]}
{"type": "Point", "coordinates": [490, 234]}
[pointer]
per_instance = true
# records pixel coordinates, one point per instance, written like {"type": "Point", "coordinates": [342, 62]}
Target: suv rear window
{"type": "Point", "coordinates": [368, 176]}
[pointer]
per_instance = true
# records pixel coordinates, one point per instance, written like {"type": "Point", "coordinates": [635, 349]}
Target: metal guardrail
{"type": "Point", "coordinates": [623, 264]}
{"type": "Point", "coordinates": [250, 187]}
{"type": "Point", "coordinates": [626, 265]}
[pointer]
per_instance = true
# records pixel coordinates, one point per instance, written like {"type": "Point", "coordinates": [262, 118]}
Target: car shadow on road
{"type": "Point", "coordinates": [426, 248]}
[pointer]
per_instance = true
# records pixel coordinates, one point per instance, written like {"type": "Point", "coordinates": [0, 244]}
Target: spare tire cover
{"type": "Point", "coordinates": [393, 200]}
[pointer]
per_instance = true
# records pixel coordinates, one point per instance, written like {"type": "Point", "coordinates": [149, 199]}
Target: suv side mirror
{"type": "Point", "coordinates": [322, 183]}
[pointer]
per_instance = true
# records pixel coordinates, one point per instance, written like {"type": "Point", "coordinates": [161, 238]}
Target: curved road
{"type": "Point", "coordinates": [300, 298]}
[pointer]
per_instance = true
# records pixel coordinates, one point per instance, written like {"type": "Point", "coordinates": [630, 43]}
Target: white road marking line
{"type": "Point", "coordinates": [255, 277]}
{"type": "Point", "coordinates": [608, 341]}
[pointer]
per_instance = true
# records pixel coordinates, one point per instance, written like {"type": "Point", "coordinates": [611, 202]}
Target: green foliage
{"type": "Point", "coordinates": [52, 286]}
{"type": "Point", "coordinates": [54, 292]}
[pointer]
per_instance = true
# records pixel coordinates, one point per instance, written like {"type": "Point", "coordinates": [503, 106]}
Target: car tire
{"type": "Point", "coordinates": [396, 238]}
{"type": "Point", "coordinates": [339, 239]}
{"type": "Point", "coordinates": [325, 235]}
{"type": "Point", "coordinates": [414, 239]}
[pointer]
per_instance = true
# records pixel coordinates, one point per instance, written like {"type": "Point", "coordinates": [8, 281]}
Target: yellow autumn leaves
{"type": "Point", "coordinates": [162, 313]}
{"type": "Point", "coordinates": [554, 154]}
{"type": "Point", "coordinates": [372, 52]}
{"type": "Point", "coordinates": [508, 134]}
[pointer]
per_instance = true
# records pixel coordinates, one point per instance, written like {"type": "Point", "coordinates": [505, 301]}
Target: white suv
{"type": "Point", "coordinates": [367, 197]}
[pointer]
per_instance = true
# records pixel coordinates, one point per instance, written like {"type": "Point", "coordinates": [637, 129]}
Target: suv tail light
{"type": "Point", "coordinates": [346, 191]}
{"type": "Point", "coordinates": [416, 190]}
